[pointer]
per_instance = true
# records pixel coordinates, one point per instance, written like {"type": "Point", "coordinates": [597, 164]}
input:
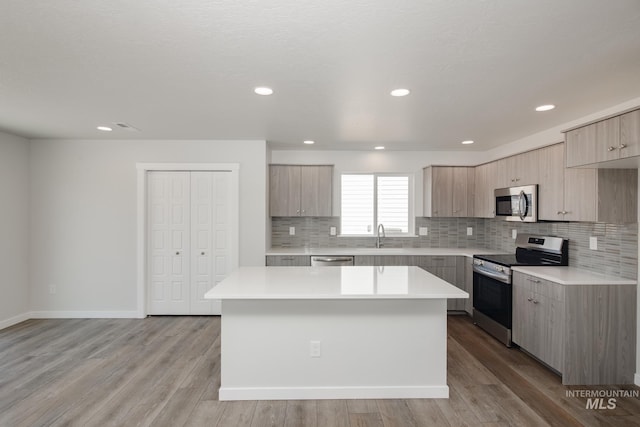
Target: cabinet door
{"type": "Point", "coordinates": [441, 191]}
{"type": "Point", "coordinates": [581, 146]}
{"type": "Point", "coordinates": [630, 134]}
{"type": "Point", "coordinates": [316, 183]}
{"type": "Point", "coordinates": [580, 194]}
{"type": "Point", "coordinates": [551, 183]}
{"type": "Point", "coordinates": [607, 139]}
{"type": "Point", "coordinates": [468, 281]}
{"type": "Point", "coordinates": [460, 192]}
{"type": "Point", "coordinates": [483, 202]}
{"type": "Point", "coordinates": [284, 190]}
{"type": "Point", "coordinates": [552, 346]}
{"type": "Point", "coordinates": [526, 168]}
{"type": "Point", "coordinates": [522, 314]}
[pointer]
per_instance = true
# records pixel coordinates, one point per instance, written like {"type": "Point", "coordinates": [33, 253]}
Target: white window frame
{"type": "Point", "coordinates": [411, 201]}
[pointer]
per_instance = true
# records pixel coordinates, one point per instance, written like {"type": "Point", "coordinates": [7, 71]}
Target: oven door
{"type": "Point", "coordinates": [492, 298]}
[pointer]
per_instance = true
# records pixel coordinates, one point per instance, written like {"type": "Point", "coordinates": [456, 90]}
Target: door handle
{"type": "Point", "coordinates": [523, 205]}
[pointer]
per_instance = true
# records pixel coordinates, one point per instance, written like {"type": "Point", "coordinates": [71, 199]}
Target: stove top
{"type": "Point", "coordinates": [533, 251]}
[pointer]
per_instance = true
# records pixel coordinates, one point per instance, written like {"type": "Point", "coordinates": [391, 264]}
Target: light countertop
{"type": "Point", "coordinates": [573, 276]}
{"type": "Point", "coordinates": [322, 283]}
{"type": "Point", "coordinates": [468, 252]}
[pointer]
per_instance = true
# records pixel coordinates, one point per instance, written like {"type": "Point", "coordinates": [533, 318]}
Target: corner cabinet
{"type": "Point", "coordinates": [448, 191]}
{"type": "Point", "coordinates": [300, 190]}
{"type": "Point", "coordinates": [607, 140]}
{"type": "Point", "coordinates": [584, 332]}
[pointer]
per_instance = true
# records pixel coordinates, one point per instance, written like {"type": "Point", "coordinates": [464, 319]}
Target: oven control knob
{"type": "Point", "coordinates": [499, 268]}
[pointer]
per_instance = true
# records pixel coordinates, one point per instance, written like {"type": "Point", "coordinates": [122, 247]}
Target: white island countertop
{"type": "Point", "coordinates": [322, 283]}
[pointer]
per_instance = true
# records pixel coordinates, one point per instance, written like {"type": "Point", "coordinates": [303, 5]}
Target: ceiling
{"type": "Point", "coordinates": [187, 69]}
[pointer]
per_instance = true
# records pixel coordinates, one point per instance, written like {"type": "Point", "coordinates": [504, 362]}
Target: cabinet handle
{"type": "Point", "coordinates": [560, 213]}
{"type": "Point", "coordinates": [302, 210]}
{"type": "Point", "coordinates": [535, 301]}
{"type": "Point", "coordinates": [201, 253]}
{"type": "Point", "coordinates": [529, 299]}
{"type": "Point", "coordinates": [177, 253]}
{"type": "Point", "coordinates": [534, 280]}
{"type": "Point", "coordinates": [611, 149]}
{"type": "Point", "coordinates": [622, 146]}
{"type": "Point", "coordinates": [287, 259]}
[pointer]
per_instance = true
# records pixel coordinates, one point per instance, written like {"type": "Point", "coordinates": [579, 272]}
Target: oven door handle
{"type": "Point", "coordinates": [499, 277]}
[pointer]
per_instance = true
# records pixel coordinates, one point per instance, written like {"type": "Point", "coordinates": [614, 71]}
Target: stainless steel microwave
{"type": "Point", "coordinates": [517, 203]}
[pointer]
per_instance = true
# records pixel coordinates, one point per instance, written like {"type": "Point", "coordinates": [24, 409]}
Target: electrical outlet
{"type": "Point", "coordinates": [314, 348]}
{"type": "Point", "coordinates": [423, 231]}
{"type": "Point", "coordinates": [514, 233]}
{"type": "Point", "coordinates": [593, 243]}
{"type": "Point", "coordinates": [332, 231]}
{"type": "Point", "coordinates": [52, 289]}
{"type": "Point", "coordinates": [292, 231]}
{"type": "Point", "coordinates": [469, 231]}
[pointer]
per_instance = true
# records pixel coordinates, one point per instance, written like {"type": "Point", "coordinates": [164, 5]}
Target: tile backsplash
{"type": "Point", "coordinates": [617, 252]}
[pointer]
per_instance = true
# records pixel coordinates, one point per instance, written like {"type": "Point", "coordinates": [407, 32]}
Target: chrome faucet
{"type": "Point", "coordinates": [381, 235]}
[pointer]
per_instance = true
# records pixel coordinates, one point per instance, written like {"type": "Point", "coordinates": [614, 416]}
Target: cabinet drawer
{"type": "Point", "coordinates": [437, 261]}
{"type": "Point", "coordinates": [288, 260]}
{"type": "Point", "coordinates": [539, 286]}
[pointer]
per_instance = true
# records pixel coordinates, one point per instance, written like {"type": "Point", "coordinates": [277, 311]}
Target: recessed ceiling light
{"type": "Point", "coordinates": [379, 147]}
{"type": "Point", "coordinates": [309, 142]}
{"type": "Point", "coordinates": [467, 142]}
{"type": "Point", "coordinates": [400, 92]}
{"type": "Point", "coordinates": [104, 128]}
{"type": "Point", "coordinates": [263, 90]}
{"type": "Point", "coordinates": [546, 107]}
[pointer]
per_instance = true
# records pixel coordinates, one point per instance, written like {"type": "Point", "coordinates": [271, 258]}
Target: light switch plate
{"type": "Point", "coordinates": [423, 231]}
{"type": "Point", "coordinates": [292, 231]}
{"type": "Point", "coordinates": [514, 233]}
{"type": "Point", "coordinates": [332, 231]}
{"type": "Point", "coordinates": [469, 231]}
{"type": "Point", "coordinates": [593, 243]}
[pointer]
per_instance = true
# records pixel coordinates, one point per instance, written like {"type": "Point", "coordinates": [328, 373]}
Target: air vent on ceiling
{"type": "Point", "coordinates": [126, 126]}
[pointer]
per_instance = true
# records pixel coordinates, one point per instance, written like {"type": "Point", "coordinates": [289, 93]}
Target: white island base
{"type": "Point", "coordinates": [324, 341]}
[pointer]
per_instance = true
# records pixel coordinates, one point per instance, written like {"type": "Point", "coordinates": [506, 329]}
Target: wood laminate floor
{"type": "Point", "coordinates": [164, 371]}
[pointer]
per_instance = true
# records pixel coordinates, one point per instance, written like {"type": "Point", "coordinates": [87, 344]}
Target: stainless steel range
{"type": "Point", "coordinates": [492, 291]}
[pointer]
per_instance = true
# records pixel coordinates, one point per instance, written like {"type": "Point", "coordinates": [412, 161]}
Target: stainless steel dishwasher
{"type": "Point", "coordinates": [331, 261]}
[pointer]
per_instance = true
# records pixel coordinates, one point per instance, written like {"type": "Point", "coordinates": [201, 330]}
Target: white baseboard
{"type": "Point", "coordinates": [636, 379]}
{"type": "Point", "coordinates": [14, 320]}
{"type": "Point", "coordinates": [304, 393]}
{"type": "Point", "coordinates": [84, 315]}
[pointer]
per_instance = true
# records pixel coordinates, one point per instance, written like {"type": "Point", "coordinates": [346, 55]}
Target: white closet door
{"type": "Point", "coordinates": [211, 244]}
{"type": "Point", "coordinates": [168, 242]}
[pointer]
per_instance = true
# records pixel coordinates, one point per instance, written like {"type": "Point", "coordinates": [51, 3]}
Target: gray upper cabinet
{"type": "Point", "coordinates": [448, 191]}
{"type": "Point", "coordinates": [551, 182]}
{"type": "Point", "coordinates": [484, 184]}
{"type": "Point", "coordinates": [300, 190]}
{"type": "Point", "coordinates": [607, 140]}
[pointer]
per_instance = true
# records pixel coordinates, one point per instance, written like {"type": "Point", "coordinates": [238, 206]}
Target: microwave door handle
{"type": "Point", "coordinates": [523, 205]}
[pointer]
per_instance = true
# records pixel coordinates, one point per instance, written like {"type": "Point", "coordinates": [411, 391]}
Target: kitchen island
{"type": "Point", "coordinates": [333, 333]}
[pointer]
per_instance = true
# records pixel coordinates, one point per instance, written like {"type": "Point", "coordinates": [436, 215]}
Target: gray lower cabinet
{"type": "Point", "coordinates": [288, 260]}
{"type": "Point", "coordinates": [585, 332]}
{"type": "Point", "coordinates": [449, 268]}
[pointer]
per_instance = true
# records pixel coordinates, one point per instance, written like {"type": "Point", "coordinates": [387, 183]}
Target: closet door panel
{"type": "Point", "coordinates": [169, 242]}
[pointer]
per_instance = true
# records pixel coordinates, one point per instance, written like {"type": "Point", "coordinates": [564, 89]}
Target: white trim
{"type": "Point", "coordinates": [14, 320]}
{"type": "Point", "coordinates": [141, 234]}
{"type": "Point", "coordinates": [83, 315]}
{"type": "Point", "coordinates": [305, 393]}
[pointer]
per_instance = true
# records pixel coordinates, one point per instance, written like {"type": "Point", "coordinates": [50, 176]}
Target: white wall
{"type": "Point", "coordinates": [83, 216]}
{"type": "Point", "coordinates": [14, 229]}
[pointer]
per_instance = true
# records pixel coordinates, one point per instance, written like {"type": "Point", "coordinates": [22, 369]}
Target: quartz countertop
{"type": "Point", "coordinates": [573, 276]}
{"type": "Point", "coordinates": [322, 283]}
{"type": "Point", "coordinates": [468, 252]}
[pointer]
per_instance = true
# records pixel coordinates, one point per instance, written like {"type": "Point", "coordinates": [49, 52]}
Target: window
{"type": "Point", "coordinates": [372, 199]}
